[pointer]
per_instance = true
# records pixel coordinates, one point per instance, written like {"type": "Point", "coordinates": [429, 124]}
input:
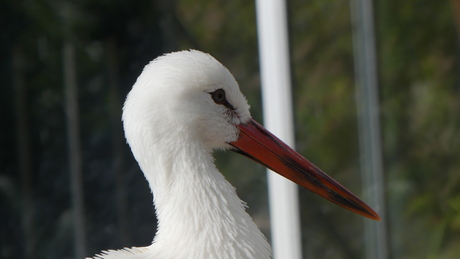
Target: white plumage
{"type": "Point", "coordinates": [183, 106]}
{"type": "Point", "coordinates": [172, 125]}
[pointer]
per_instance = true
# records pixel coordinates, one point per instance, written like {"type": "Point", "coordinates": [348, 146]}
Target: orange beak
{"type": "Point", "coordinates": [265, 148]}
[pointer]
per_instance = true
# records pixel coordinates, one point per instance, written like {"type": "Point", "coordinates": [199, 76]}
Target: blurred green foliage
{"type": "Point", "coordinates": [421, 124]}
{"type": "Point", "coordinates": [418, 50]}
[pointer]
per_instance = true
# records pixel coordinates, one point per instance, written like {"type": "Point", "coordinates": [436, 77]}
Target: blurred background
{"type": "Point", "coordinates": [66, 67]}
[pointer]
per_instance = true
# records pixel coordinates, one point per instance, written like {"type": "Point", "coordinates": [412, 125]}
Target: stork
{"type": "Point", "coordinates": [183, 106]}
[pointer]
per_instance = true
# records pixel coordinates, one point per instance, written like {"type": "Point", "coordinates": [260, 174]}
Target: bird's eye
{"type": "Point", "coordinates": [219, 96]}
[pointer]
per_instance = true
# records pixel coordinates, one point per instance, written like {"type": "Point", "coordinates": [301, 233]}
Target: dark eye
{"type": "Point", "coordinates": [219, 96]}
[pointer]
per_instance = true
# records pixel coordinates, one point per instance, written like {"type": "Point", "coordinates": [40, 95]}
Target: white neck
{"type": "Point", "coordinates": [199, 213]}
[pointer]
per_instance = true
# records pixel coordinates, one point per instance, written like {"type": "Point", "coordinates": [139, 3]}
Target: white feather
{"type": "Point", "coordinates": [172, 126]}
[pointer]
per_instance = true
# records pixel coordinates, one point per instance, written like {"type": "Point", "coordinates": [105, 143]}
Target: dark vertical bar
{"type": "Point", "coordinates": [117, 141]}
{"type": "Point", "coordinates": [23, 152]}
{"type": "Point", "coordinates": [168, 25]}
{"type": "Point", "coordinates": [369, 125]}
{"type": "Point", "coordinates": [73, 138]}
{"type": "Point", "coordinates": [456, 16]}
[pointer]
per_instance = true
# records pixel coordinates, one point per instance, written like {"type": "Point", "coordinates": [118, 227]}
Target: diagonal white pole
{"type": "Point", "coordinates": [277, 106]}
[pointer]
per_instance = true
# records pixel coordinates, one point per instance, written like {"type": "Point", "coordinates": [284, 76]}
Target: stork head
{"type": "Point", "coordinates": [189, 96]}
{"type": "Point", "coordinates": [188, 93]}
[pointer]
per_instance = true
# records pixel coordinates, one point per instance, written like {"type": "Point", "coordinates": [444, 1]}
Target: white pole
{"type": "Point", "coordinates": [277, 105]}
{"type": "Point", "coordinates": [369, 125]}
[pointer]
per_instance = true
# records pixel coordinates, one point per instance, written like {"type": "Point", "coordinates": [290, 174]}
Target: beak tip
{"type": "Point", "coordinates": [371, 214]}
{"type": "Point", "coordinates": [265, 148]}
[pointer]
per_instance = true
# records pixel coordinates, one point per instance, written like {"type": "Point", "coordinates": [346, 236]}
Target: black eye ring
{"type": "Point", "coordinates": [218, 96]}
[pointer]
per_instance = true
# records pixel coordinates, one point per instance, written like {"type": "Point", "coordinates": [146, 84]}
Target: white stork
{"type": "Point", "coordinates": [183, 106]}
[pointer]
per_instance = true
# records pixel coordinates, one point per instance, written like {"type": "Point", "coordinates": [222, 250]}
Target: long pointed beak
{"type": "Point", "coordinates": [265, 148]}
